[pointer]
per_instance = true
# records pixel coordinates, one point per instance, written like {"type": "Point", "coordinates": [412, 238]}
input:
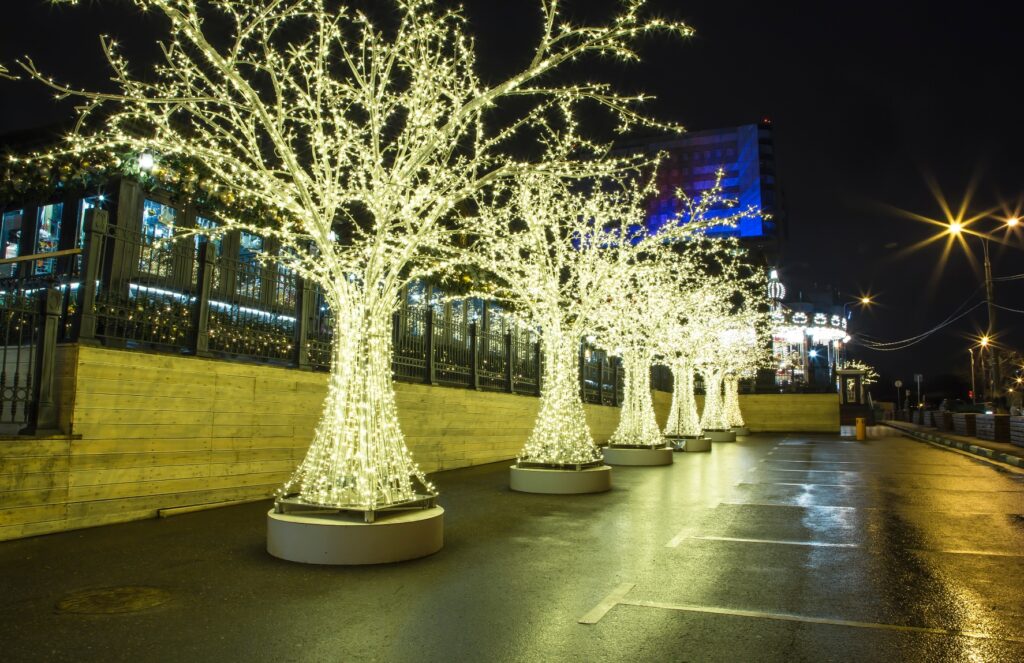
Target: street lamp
{"type": "Point", "coordinates": [957, 229]}
{"type": "Point", "coordinates": [863, 300]}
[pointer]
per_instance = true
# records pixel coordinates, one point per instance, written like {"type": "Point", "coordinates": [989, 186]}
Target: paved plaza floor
{"type": "Point", "coordinates": [775, 548]}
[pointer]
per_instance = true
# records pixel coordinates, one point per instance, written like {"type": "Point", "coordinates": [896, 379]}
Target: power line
{"type": "Point", "coordinates": [902, 344]}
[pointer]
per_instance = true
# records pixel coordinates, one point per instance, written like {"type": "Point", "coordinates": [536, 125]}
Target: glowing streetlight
{"type": "Point", "coordinates": [865, 300]}
{"type": "Point", "coordinates": [984, 341]}
{"type": "Point", "coordinates": [1013, 221]}
{"type": "Point", "coordinates": [955, 228]}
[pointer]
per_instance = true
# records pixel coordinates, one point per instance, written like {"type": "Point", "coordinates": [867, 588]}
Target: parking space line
{"type": "Point", "coordinates": [825, 544]}
{"type": "Point", "coordinates": [902, 474]}
{"type": "Point", "coordinates": [821, 544]}
{"type": "Point", "coordinates": [797, 506]}
{"type": "Point", "coordinates": [679, 538]}
{"type": "Point", "coordinates": [868, 485]}
{"type": "Point", "coordinates": [853, 462]}
{"type": "Point", "coordinates": [804, 619]}
{"type": "Point", "coordinates": [871, 508]}
{"type": "Point", "coordinates": [984, 553]}
{"type": "Point", "coordinates": [791, 483]}
{"type": "Point", "coordinates": [607, 603]}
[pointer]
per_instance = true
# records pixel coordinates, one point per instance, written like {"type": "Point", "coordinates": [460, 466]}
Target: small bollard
{"type": "Point", "coordinates": [862, 429]}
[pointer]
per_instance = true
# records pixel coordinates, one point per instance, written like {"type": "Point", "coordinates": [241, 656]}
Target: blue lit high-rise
{"type": "Point", "coordinates": [747, 156]}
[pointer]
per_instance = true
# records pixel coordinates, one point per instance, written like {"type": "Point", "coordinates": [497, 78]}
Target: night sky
{"type": "Point", "coordinates": [869, 100]}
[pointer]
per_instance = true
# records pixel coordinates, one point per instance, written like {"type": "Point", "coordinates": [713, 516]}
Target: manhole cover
{"type": "Point", "coordinates": [113, 600]}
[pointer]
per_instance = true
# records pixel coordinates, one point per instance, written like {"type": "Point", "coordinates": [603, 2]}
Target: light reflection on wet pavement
{"type": "Point", "coordinates": [775, 548]}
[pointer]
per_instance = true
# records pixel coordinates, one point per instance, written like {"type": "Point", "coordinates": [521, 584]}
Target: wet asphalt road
{"type": "Point", "coordinates": [776, 548]}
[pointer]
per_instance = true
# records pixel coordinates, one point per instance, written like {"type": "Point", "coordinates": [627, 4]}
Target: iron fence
{"type": "Point", "coordinates": [29, 312]}
{"type": "Point", "coordinates": [134, 287]}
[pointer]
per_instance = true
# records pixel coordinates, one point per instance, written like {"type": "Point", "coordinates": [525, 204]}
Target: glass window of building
{"type": "Point", "coordinates": [86, 204]}
{"type": "Point", "coordinates": [249, 273]}
{"type": "Point", "coordinates": [216, 240]}
{"type": "Point", "coordinates": [158, 221]}
{"type": "Point", "coordinates": [47, 235]}
{"type": "Point", "coordinates": [285, 288]}
{"type": "Point", "coordinates": [92, 202]}
{"type": "Point", "coordinates": [10, 239]}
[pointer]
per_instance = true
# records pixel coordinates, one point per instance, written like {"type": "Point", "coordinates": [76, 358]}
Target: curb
{"type": "Point", "coordinates": [984, 452]}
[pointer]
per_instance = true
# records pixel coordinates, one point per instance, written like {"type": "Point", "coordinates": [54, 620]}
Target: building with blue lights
{"type": "Point", "coordinates": [746, 154]}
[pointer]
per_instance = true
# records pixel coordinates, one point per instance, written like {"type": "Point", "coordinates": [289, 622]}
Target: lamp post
{"type": "Point", "coordinates": [974, 393]}
{"type": "Point", "coordinates": [863, 300]}
{"type": "Point", "coordinates": [956, 228]}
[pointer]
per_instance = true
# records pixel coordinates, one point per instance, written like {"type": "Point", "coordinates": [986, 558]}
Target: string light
{"type": "Point", "coordinates": [360, 171]}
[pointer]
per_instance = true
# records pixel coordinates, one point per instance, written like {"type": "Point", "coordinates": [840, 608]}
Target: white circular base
{"type": "Point", "coordinates": [327, 537]}
{"type": "Point", "coordinates": [696, 444]}
{"type": "Point", "coordinates": [720, 435]}
{"type": "Point", "coordinates": [560, 482]}
{"type": "Point", "coordinates": [741, 431]}
{"type": "Point", "coordinates": [637, 456]}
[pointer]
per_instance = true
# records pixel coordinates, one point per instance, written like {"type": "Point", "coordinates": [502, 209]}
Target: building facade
{"type": "Point", "coordinates": [746, 156]}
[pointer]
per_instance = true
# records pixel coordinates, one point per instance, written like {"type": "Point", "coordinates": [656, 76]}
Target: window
{"type": "Point", "coordinates": [47, 235]}
{"type": "Point", "coordinates": [285, 290]}
{"type": "Point", "coordinates": [249, 272]}
{"type": "Point", "coordinates": [86, 204]}
{"type": "Point", "coordinates": [158, 221]}
{"type": "Point", "coordinates": [215, 240]}
{"type": "Point", "coordinates": [92, 202]}
{"type": "Point", "coordinates": [10, 239]}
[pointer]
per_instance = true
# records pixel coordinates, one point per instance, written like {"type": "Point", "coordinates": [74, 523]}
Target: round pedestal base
{"type": "Point", "coordinates": [326, 537]}
{"type": "Point", "coordinates": [688, 443]}
{"type": "Point", "coordinates": [741, 431]}
{"type": "Point", "coordinates": [637, 456]}
{"type": "Point", "coordinates": [696, 444]}
{"type": "Point", "coordinates": [720, 435]}
{"type": "Point", "coordinates": [560, 482]}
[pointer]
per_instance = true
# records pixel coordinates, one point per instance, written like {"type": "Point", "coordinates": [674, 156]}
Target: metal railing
{"type": "Point", "coordinates": [29, 316]}
{"type": "Point", "coordinates": [134, 290]}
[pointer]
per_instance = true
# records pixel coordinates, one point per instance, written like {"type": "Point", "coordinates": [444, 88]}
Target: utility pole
{"type": "Point", "coordinates": [974, 393]}
{"type": "Point", "coordinates": [993, 359]}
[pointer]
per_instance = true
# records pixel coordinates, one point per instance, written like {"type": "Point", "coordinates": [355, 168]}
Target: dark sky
{"type": "Point", "coordinates": [868, 99]}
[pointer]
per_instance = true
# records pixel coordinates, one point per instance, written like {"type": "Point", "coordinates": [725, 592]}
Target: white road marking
{"type": "Point", "coordinates": [607, 603]}
{"type": "Point", "coordinates": [822, 544]}
{"type": "Point", "coordinates": [787, 617]}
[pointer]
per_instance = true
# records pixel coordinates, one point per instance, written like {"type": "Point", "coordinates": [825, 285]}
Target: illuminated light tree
{"type": "Point", "coordinates": [731, 402]}
{"type": "Point", "coordinates": [363, 142]}
{"type": "Point", "coordinates": [678, 349]}
{"type": "Point", "coordinates": [642, 318]}
{"type": "Point", "coordinates": [870, 374]}
{"type": "Point", "coordinates": [628, 325]}
{"type": "Point", "coordinates": [734, 348]}
{"type": "Point", "coordinates": [559, 252]}
{"type": "Point", "coordinates": [696, 299]}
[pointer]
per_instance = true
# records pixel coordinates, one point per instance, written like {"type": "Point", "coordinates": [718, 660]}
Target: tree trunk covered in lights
{"type": "Point", "coordinates": [683, 419]}
{"type": "Point", "coordinates": [733, 415]}
{"type": "Point", "coordinates": [358, 457]}
{"type": "Point", "coordinates": [638, 426]}
{"type": "Point", "coordinates": [713, 417]}
{"type": "Point", "coordinates": [560, 434]}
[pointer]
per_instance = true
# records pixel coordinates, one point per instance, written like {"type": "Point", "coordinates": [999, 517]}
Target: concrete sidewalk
{"type": "Point", "coordinates": [1003, 452]}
